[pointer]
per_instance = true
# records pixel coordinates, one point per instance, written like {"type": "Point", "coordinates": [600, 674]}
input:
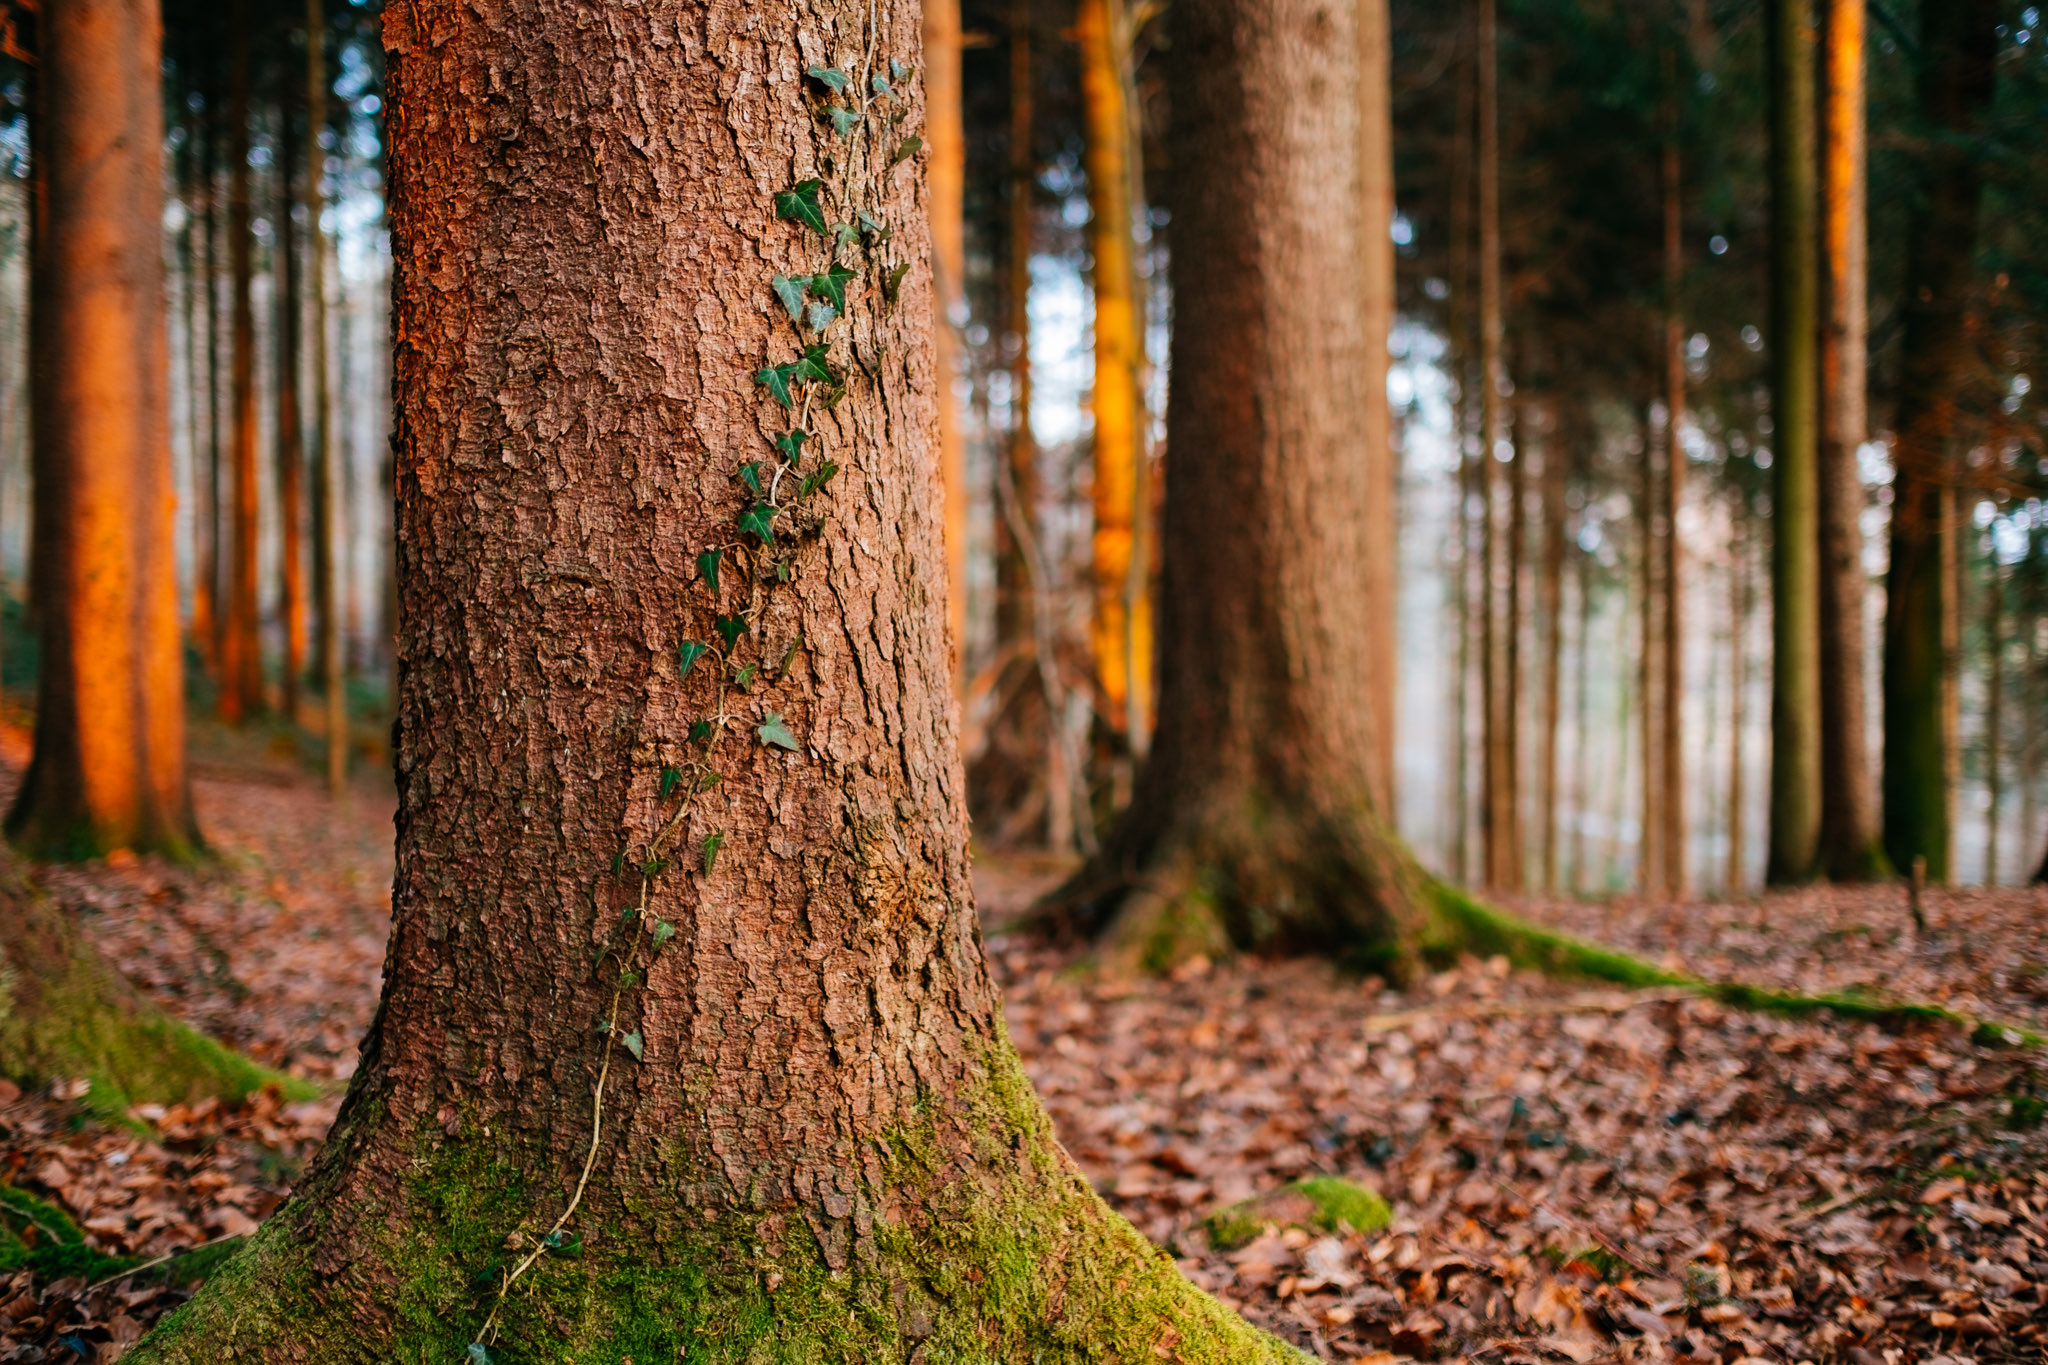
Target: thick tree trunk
{"type": "Point", "coordinates": [291, 439]}
{"type": "Point", "coordinates": [1848, 825]}
{"type": "Point", "coordinates": [811, 1140]}
{"type": "Point", "coordinates": [1122, 625]}
{"type": "Point", "coordinates": [108, 770]}
{"type": "Point", "coordinates": [1957, 76]}
{"type": "Point", "coordinates": [947, 180]}
{"type": "Point", "coordinates": [1673, 730]}
{"type": "Point", "coordinates": [1497, 782]}
{"type": "Point", "coordinates": [1795, 537]}
{"type": "Point", "coordinates": [1254, 817]}
{"type": "Point", "coordinates": [241, 667]}
{"type": "Point", "coordinates": [1376, 417]}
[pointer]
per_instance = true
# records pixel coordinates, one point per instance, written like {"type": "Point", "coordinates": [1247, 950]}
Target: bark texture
{"type": "Point", "coordinates": [1957, 76]}
{"type": "Point", "coordinates": [815, 1142]}
{"type": "Point", "coordinates": [108, 770]}
{"type": "Point", "coordinates": [1253, 821]}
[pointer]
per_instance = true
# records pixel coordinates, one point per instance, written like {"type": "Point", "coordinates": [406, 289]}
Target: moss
{"type": "Point", "coordinates": [985, 1246]}
{"type": "Point", "coordinates": [1323, 1202]}
{"type": "Point", "coordinates": [42, 1237]}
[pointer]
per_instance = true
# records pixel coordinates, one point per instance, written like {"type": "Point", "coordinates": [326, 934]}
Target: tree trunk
{"type": "Point", "coordinates": [291, 440]}
{"type": "Point", "coordinates": [108, 770]}
{"type": "Point", "coordinates": [1122, 637]}
{"type": "Point", "coordinates": [327, 480]}
{"type": "Point", "coordinates": [1738, 670]}
{"type": "Point", "coordinates": [809, 1137]}
{"type": "Point", "coordinates": [241, 668]}
{"type": "Point", "coordinates": [1376, 417]}
{"type": "Point", "coordinates": [1795, 545]}
{"type": "Point", "coordinates": [1511, 633]}
{"type": "Point", "coordinates": [1497, 782]}
{"type": "Point", "coordinates": [1254, 818]}
{"type": "Point", "coordinates": [1650, 854]}
{"type": "Point", "coordinates": [212, 562]}
{"type": "Point", "coordinates": [1848, 825]}
{"type": "Point", "coordinates": [1582, 672]}
{"type": "Point", "coordinates": [1550, 605]}
{"type": "Point", "coordinates": [1994, 707]}
{"type": "Point", "coordinates": [1458, 318]}
{"type": "Point", "coordinates": [1673, 737]}
{"type": "Point", "coordinates": [946, 182]}
{"type": "Point", "coordinates": [1956, 80]}
{"type": "Point", "coordinates": [191, 169]}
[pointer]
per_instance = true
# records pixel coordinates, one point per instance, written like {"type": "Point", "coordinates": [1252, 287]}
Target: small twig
{"type": "Point", "coordinates": [164, 1259]}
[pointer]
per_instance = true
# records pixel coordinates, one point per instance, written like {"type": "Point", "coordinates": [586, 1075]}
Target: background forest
{"type": "Point", "coordinates": [1704, 571]}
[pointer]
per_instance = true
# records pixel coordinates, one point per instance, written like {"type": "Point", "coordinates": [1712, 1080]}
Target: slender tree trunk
{"type": "Point", "coordinates": [1740, 595]}
{"type": "Point", "coordinates": [1503, 853]}
{"type": "Point", "coordinates": [1550, 605]}
{"type": "Point", "coordinates": [189, 257]}
{"type": "Point", "coordinates": [1511, 632]}
{"type": "Point", "coordinates": [241, 681]}
{"type": "Point", "coordinates": [327, 483]}
{"type": "Point", "coordinates": [2032, 700]}
{"type": "Point", "coordinates": [1253, 817]}
{"type": "Point", "coordinates": [212, 562]}
{"type": "Point", "coordinates": [1121, 636]}
{"type": "Point", "coordinates": [1848, 834]}
{"type": "Point", "coordinates": [800, 1132]}
{"type": "Point", "coordinates": [1994, 712]}
{"type": "Point", "coordinates": [1795, 544]}
{"type": "Point", "coordinates": [1376, 418]}
{"type": "Point", "coordinates": [946, 178]}
{"type": "Point", "coordinates": [108, 769]}
{"type": "Point", "coordinates": [1650, 858]}
{"type": "Point", "coordinates": [291, 440]}
{"type": "Point", "coordinates": [1955, 84]}
{"type": "Point", "coordinates": [1627, 685]}
{"type": "Point", "coordinates": [1471, 466]}
{"type": "Point", "coordinates": [1673, 738]}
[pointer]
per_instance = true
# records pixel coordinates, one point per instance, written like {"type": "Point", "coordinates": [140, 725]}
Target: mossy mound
{"type": "Point", "coordinates": [37, 1234]}
{"type": "Point", "coordinates": [1323, 1203]}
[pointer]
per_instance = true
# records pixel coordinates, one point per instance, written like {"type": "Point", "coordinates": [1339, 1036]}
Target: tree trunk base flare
{"type": "Point", "coordinates": [974, 1238]}
{"type": "Point", "coordinates": [65, 1014]}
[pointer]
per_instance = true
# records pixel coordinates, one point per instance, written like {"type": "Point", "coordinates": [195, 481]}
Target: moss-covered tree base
{"type": "Point", "coordinates": [66, 1014]}
{"type": "Point", "coordinates": [1004, 1254]}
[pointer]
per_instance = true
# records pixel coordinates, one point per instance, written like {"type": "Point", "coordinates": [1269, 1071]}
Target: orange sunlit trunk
{"type": "Point", "coordinates": [109, 764]}
{"type": "Point", "coordinates": [946, 180]}
{"type": "Point", "coordinates": [1122, 634]}
{"type": "Point", "coordinates": [241, 665]}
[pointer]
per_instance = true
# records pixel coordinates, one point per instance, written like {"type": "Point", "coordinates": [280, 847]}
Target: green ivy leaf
{"type": "Point", "coordinates": [691, 651]}
{"type": "Point", "coordinates": [816, 366]}
{"type": "Point", "coordinates": [663, 932]}
{"type": "Point", "coordinates": [906, 149]}
{"type": "Point", "coordinates": [700, 730]}
{"type": "Point", "coordinates": [670, 777]}
{"type": "Point", "coordinates": [898, 69]}
{"type": "Point", "coordinates": [832, 284]}
{"type": "Point", "coordinates": [777, 378]}
{"type": "Point", "coordinates": [712, 843]}
{"type": "Point", "coordinates": [562, 1243]}
{"type": "Point", "coordinates": [844, 120]}
{"type": "Point", "coordinates": [750, 475]}
{"type": "Point", "coordinates": [820, 316]}
{"type": "Point", "coordinates": [845, 234]}
{"type": "Point", "coordinates": [635, 1045]}
{"type": "Point", "coordinates": [791, 443]}
{"type": "Point", "coordinates": [790, 289]}
{"type": "Point", "coordinates": [478, 1355]}
{"type": "Point", "coordinates": [745, 675]}
{"type": "Point", "coordinates": [891, 286]}
{"type": "Point", "coordinates": [800, 204]}
{"type": "Point", "coordinates": [877, 230]}
{"type": "Point", "coordinates": [729, 629]}
{"type": "Point", "coordinates": [829, 76]}
{"type": "Point", "coordinates": [816, 479]}
{"type": "Point", "coordinates": [773, 731]}
{"type": "Point", "coordinates": [707, 565]}
{"type": "Point", "coordinates": [760, 520]}
{"type": "Point", "coordinates": [880, 84]}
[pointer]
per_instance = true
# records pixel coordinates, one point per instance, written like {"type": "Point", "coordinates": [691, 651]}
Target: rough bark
{"type": "Point", "coordinates": [1956, 80]}
{"type": "Point", "coordinates": [1672, 734]}
{"type": "Point", "coordinates": [1253, 821]}
{"type": "Point", "coordinates": [1503, 855]}
{"type": "Point", "coordinates": [286, 324]}
{"type": "Point", "coordinates": [108, 770]}
{"type": "Point", "coordinates": [241, 666]}
{"type": "Point", "coordinates": [814, 1142]}
{"type": "Point", "coordinates": [1376, 417]}
{"type": "Point", "coordinates": [1794, 854]}
{"type": "Point", "coordinates": [1848, 824]}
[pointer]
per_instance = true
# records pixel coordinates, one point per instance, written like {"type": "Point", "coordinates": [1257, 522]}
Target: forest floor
{"type": "Point", "coordinates": [1576, 1173]}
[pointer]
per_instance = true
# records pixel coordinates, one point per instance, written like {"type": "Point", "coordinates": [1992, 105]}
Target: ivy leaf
{"type": "Point", "coordinates": [790, 289]}
{"type": "Point", "coordinates": [791, 443]}
{"type": "Point", "coordinates": [750, 475]}
{"type": "Point", "coordinates": [745, 675]}
{"type": "Point", "coordinates": [777, 378]}
{"type": "Point", "coordinates": [844, 120]}
{"type": "Point", "coordinates": [800, 204]}
{"type": "Point", "coordinates": [816, 479]}
{"type": "Point", "coordinates": [773, 731]}
{"type": "Point", "coordinates": [568, 1244]}
{"type": "Point", "coordinates": [898, 69]}
{"type": "Point", "coordinates": [635, 1045]}
{"type": "Point", "coordinates": [707, 564]}
{"type": "Point", "coordinates": [832, 284]}
{"type": "Point", "coordinates": [729, 629]}
{"type": "Point", "coordinates": [880, 84]}
{"type": "Point", "coordinates": [712, 843]}
{"type": "Point", "coordinates": [906, 149]}
{"type": "Point", "coordinates": [699, 730]}
{"type": "Point", "coordinates": [820, 316]}
{"type": "Point", "coordinates": [829, 76]}
{"type": "Point", "coordinates": [669, 778]}
{"type": "Point", "coordinates": [816, 366]}
{"type": "Point", "coordinates": [759, 519]}
{"type": "Point", "coordinates": [663, 932]}
{"type": "Point", "coordinates": [478, 1355]}
{"type": "Point", "coordinates": [891, 286]}
{"type": "Point", "coordinates": [845, 234]}
{"type": "Point", "coordinates": [691, 651]}
{"type": "Point", "coordinates": [875, 228]}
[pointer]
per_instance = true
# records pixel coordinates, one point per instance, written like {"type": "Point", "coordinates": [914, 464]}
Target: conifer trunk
{"type": "Point", "coordinates": [1497, 783]}
{"type": "Point", "coordinates": [947, 183]}
{"type": "Point", "coordinates": [1795, 534]}
{"type": "Point", "coordinates": [327, 473]}
{"type": "Point", "coordinates": [1550, 606]}
{"type": "Point", "coordinates": [1673, 733]}
{"type": "Point", "coordinates": [815, 1142]}
{"type": "Point", "coordinates": [1376, 417]}
{"type": "Point", "coordinates": [108, 769]}
{"type": "Point", "coordinates": [291, 439]}
{"type": "Point", "coordinates": [241, 668]}
{"type": "Point", "coordinates": [1738, 718]}
{"type": "Point", "coordinates": [1956, 80]}
{"type": "Point", "coordinates": [1650, 851]}
{"type": "Point", "coordinates": [1994, 712]}
{"type": "Point", "coordinates": [1848, 833]}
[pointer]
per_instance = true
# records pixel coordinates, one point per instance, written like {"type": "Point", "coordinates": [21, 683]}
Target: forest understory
{"type": "Point", "coordinates": [1575, 1173]}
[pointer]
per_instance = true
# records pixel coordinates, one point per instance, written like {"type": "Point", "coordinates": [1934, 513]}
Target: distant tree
{"type": "Point", "coordinates": [108, 770]}
{"type": "Point", "coordinates": [241, 662]}
{"type": "Point", "coordinates": [704, 1007]}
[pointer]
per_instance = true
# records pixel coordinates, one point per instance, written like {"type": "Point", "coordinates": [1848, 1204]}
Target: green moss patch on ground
{"type": "Point", "coordinates": [1324, 1203]}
